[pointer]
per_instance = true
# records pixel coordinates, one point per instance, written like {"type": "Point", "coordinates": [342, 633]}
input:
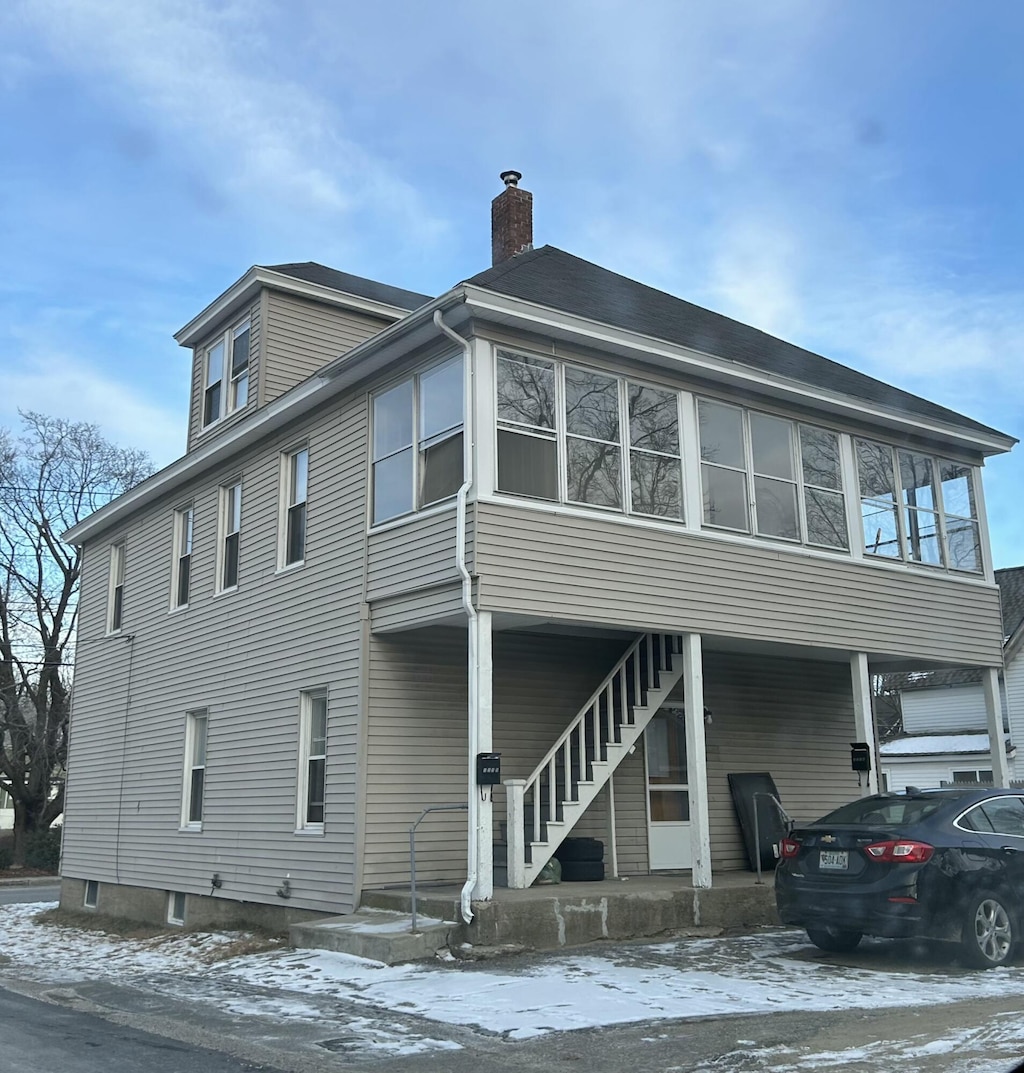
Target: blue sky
{"type": "Point", "coordinates": [846, 175]}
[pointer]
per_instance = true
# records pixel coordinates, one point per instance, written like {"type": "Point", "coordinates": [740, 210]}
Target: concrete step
{"type": "Point", "coordinates": [377, 934]}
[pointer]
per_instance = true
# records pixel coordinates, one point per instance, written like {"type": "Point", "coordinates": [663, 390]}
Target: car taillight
{"type": "Point", "coordinates": [790, 848]}
{"type": "Point", "coordinates": [900, 851]}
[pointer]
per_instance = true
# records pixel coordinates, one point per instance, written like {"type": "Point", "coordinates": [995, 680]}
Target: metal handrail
{"type": "Point", "coordinates": [757, 825]}
{"type": "Point", "coordinates": [412, 849]}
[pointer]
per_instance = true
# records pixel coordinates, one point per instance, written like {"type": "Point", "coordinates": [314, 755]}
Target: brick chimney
{"type": "Point", "coordinates": [511, 220]}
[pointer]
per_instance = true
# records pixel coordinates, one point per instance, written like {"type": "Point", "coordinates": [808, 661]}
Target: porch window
{"type": "Point", "coordinates": [772, 476]}
{"type": "Point", "coordinates": [417, 441]}
{"type": "Point", "coordinates": [918, 508]}
{"type": "Point", "coordinates": [527, 438]}
{"type": "Point", "coordinates": [580, 436]}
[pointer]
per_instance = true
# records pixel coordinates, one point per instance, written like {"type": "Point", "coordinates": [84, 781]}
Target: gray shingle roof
{"type": "Point", "coordinates": [1011, 597]}
{"type": "Point", "coordinates": [551, 277]}
{"type": "Point", "coordinates": [312, 272]}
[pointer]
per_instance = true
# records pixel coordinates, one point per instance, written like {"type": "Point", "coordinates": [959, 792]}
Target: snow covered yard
{"type": "Point", "coordinates": [528, 996]}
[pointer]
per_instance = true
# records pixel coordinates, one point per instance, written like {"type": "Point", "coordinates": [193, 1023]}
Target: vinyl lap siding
{"type": "Point", "coordinates": [303, 335]}
{"type": "Point", "coordinates": [935, 710]}
{"type": "Point", "coordinates": [244, 656]}
{"type": "Point", "coordinates": [417, 554]}
{"type": "Point", "coordinates": [601, 571]}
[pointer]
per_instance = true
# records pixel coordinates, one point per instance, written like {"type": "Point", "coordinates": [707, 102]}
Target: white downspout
{"type": "Point", "coordinates": [466, 899]}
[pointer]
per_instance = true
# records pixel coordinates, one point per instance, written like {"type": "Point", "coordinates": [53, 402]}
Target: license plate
{"type": "Point", "coordinates": [833, 860]}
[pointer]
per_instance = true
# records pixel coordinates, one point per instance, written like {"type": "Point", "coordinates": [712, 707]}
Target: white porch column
{"type": "Point", "coordinates": [863, 719]}
{"type": "Point", "coordinates": [696, 760]}
{"type": "Point", "coordinates": [994, 710]}
{"type": "Point", "coordinates": [483, 670]}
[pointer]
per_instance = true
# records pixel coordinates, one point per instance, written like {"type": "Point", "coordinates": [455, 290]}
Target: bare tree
{"type": "Point", "coordinates": [53, 473]}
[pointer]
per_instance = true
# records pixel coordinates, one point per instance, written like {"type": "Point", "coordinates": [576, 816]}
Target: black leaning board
{"type": "Point", "coordinates": [771, 830]}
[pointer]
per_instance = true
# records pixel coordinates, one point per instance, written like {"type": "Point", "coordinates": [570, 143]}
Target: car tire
{"type": "Point", "coordinates": [834, 940]}
{"type": "Point", "coordinates": [989, 931]}
{"type": "Point", "coordinates": [582, 871]}
{"type": "Point", "coordinates": [580, 849]}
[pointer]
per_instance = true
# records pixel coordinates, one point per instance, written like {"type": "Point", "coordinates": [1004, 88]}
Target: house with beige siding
{"type": "Point", "coordinates": [944, 735]}
{"type": "Point", "coordinates": [625, 542]}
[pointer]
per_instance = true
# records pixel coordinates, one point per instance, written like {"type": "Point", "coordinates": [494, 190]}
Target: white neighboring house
{"type": "Point", "coordinates": [6, 811]}
{"type": "Point", "coordinates": [945, 736]}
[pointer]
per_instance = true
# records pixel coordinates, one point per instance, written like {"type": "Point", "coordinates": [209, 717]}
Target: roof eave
{"type": "Point", "coordinates": [508, 310]}
{"type": "Point", "coordinates": [244, 290]}
{"type": "Point", "coordinates": [333, 378]}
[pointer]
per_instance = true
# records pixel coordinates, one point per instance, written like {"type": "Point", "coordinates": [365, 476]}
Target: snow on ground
{"type": "Point", "coordinates": [773, 970]}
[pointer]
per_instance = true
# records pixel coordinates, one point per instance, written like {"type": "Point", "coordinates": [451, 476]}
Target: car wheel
{"type": "Point", "coordinates": [989, 932]}
{"type": "Point", "coordinates": [834, 940]}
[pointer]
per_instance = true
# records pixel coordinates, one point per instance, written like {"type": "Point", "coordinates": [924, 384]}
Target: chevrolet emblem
{"type": "Point", "coordinates": [828, 838]}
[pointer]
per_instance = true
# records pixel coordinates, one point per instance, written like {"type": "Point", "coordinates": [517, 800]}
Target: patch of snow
{"type": "Point", "coordinates": [935, 745]}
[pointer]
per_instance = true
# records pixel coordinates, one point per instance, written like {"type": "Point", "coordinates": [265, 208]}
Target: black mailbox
{"type": "Point", "coordinates": [488, 769]}
{"type": "Point", "coordinates": [860, 756]}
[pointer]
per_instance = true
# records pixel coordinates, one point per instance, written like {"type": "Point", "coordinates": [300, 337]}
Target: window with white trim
{"type": "Point", "coordinates": [312, 758]}
{"type": "Point", "coordinates": [417, 441]}
{"type": "Point", "coordinates": [115, 599]}
{"type": "Point", "coordinates": [175, 907]}
{"type": "Point", "coordinates": [295, 476]}
{"type": "Point", "coordinates": [226, 361]}
{"type": "Point", "coordinates": [576, 435]}
{"type": "Point", "coordinates": [918, 508]}
{"type": "Point", "coordinates": [981, 775]}
{"type": "Point", "coordinates": [181, 565]}
{"type": "Point", "coordinates": [230, 526]}
{"type": "Point", "coordinates": [770, 476]}
{"type": "Point", "coordinates": [92, 894]}
{"type": "Point", "coordinates": [194, 784]}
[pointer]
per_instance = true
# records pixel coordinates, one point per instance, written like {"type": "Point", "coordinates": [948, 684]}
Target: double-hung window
{"type": "Point", "coordinates": [618, 441]}
{"type": "Point", "coordinates": [918, 508]}
{"type": "Point", "coordinates": [312, 758]}
{"type": "Point", "coordinates": [196, 726]}
{"type": "Point", "coordinates": [295, 475]}
{"type": "Point", "coordinates": [230, 532]}
{"type": "Point", "coordinates": [115, 598]}
{"type": "Point", "coordinates": [181, 573]}
{"type": "Point", "coordinates": [771, 476]}
{"type": "Point", "coordinates": [417, 441]}
{"type": "Point", "coordinates": [227, 362]}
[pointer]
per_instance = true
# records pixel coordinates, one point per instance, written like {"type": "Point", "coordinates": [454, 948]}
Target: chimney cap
{"type": "Point", "coordinates": [511, 178]}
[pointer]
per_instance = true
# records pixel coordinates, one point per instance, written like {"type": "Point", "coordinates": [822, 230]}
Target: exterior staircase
{"type": "Point", "coordinates": [544, 808]}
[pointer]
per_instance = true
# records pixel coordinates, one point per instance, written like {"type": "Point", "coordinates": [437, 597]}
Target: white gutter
{"type": "Point", "coordinates": [546, 320]}
{"type": "Point", "coordinates": [472, 656]}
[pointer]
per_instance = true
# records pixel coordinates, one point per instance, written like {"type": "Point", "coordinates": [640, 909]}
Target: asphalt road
{"type": "Point", "coordinates": [39, 1037]}
{"type": "Point", "coordinates": [48, 892]}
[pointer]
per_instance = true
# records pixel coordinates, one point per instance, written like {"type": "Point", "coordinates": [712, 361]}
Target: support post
{"type": "Point", "coordinates": [696, 760]}
{"type": "Point", "coordinates": [613, 846]}
{"type": "Point", "coordinates": [863, 719]}
{"type": "Point", "coordinates": [515, 832]}
{"type": "Point", "coordinates": [994, 710]}
{"type": "Point", "coordinates": [484, 889]}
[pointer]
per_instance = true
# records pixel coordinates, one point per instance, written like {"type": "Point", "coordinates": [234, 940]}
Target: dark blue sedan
{"type": "Point", "coordinates": [934, 864]}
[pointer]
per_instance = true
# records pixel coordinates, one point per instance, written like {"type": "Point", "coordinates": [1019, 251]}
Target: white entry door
{"type": "Point", "coordinates": [668, 831]}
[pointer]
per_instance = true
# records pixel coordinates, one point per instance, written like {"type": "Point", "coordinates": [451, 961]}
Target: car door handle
{"type": "Point", "coordinates": [1009, 849]}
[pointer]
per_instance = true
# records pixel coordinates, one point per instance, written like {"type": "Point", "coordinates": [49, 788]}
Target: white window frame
{"type": "Point", "coordinates": [232, 388]}
{"type": "Point", "coordinates": [175, 915]}
{"type": "Point", "coordinates": [418, 445]}
{"type": "Point", "coordinates": [294, 495]}
{"type": "Point", "coordinates": [942, 516]}
{"type": "Point", "coordinates": [115, 594]}
{"type": "Point", "coordinates": [91, 894]}
{"type": "Point", "coordinates": [307, 757]}
{"type": "Point", "coordinates": [197, 732]}
{"type": "Point", "coordinates": [181, 556]}
{"type": "Point", "coordinates": [229, 528]}
{"type": "Point", "coordinates": [560, 436]}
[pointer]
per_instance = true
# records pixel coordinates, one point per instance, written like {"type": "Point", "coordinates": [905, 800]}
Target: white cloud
{"type": "Point", "coordinates": [59, 385]}
{"type": "Point", "coordinates": [206, 75]}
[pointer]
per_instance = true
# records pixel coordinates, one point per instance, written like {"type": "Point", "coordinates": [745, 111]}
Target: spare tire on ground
{"type": "Point", "coordinates": [582, 871]}
{"type": "Point", "coordinates": [580, 849]}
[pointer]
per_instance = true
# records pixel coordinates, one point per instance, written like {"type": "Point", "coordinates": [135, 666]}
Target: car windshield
{"type": "Point", "coordinates": [885, 811]}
